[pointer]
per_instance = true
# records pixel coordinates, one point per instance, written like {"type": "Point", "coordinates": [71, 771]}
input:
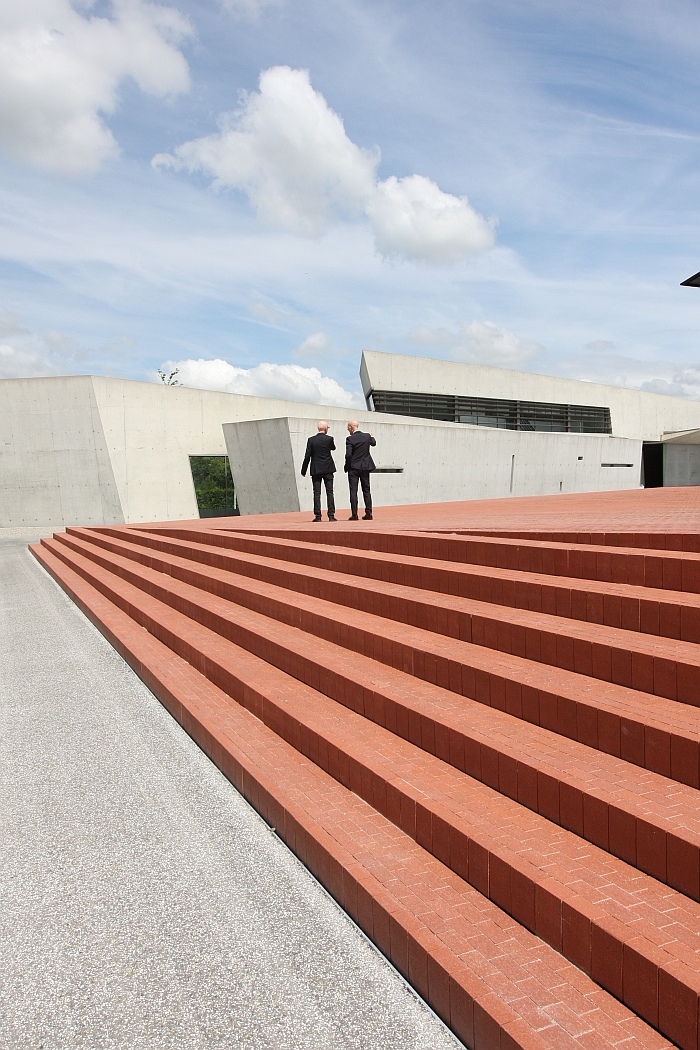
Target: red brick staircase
{"type": "Point", "coordinates": [486, 747]}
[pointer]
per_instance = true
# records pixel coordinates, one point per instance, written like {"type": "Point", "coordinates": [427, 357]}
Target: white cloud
{"type": "Point", "coordinates": [658, 375]}
{"type": "Point", "coordinates": [426, 335]}
{"type": "Point", "coordinates": [684, 383]}
{"type": "Point", "coordinates": [289, 382]}
{"type": "Point", "coordinates": [60, 71]}
{"type": "Point", "coordinates": [314, 345]}
{"type": "Point", "coordinates": [287, 150]}
{"type": "Point", "coordinates": [25, 354]}
{"type": "Point", "coordinates": [11, 324]}
{"type": "Point", "coordinates": [480, 342]}
{"type": "Point", "coordinates": [413, 219]}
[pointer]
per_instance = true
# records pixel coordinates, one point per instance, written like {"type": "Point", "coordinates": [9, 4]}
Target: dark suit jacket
{"type": "Point", "coordinates": [318, 453]}
{"type": "Point", "coordinates": [357, 448]}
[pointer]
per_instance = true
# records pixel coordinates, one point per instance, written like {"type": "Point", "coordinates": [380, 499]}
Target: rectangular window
{"type": "Point", "coordinates": [213, 486]}
{"type": "Point", "coordinates": [496, 412]}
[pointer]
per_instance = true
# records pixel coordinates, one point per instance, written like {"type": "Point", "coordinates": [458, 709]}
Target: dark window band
{"type": "Point", "coordinates": [496, 412]}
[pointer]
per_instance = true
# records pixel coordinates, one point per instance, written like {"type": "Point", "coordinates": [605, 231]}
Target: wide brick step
{"type": "Point", "coordinates": [522, 861]}
{"type": "Point", "coordinates": [662, 666]}
{"type": "Point", "coordinates": [658, 735]}
{"type": "Point", "coordinates": [669, 570]}
{"type": "Point", "coordinates": [496, 984]}
{"type": "Point", "coordinates": [671, 614]}
{"type": "Point", "coordinates": [639, 816]}
{"type": "Point", "coordinates": [662, 570]}
{"type": "Point", "coordinates": [670, 541]}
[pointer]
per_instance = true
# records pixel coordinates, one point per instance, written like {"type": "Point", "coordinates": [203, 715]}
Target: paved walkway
{"type": "Point", "coordinates": [628, 510]}
{"type": "Point", "coordinates": [144, 904]}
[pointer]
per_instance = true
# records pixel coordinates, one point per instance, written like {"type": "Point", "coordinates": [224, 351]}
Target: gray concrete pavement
{"type": "Point", "coordinates": [143, 904]}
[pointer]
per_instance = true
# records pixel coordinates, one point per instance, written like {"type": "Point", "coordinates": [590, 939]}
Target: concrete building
{"type": "Point", "coordinates": [429, 462]}
{"type": "Point", "coordinates": [93, 451]}
{"type": "Point", "coordinates": [522, 401]}
{"type": "Point", "coordinates": [96, 451]}
{"type": "Point", "coordinates": [499, 397]}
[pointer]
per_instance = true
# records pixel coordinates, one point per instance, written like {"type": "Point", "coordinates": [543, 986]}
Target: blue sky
{"type": "Point", "coordinates": [513, 184]}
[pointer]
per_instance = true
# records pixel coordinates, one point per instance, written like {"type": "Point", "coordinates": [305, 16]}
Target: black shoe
{"type": "Point", "coordinates": [332, 517]}
{"type": "Point", "coordinates": [366, 517]}
{"type": "Point", "coordinates": [353, 517]}
{"type": "Point", "coordinates": [317, 518]}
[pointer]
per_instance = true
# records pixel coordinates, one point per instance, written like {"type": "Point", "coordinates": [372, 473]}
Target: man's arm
{"type": "Point", "coordinates": [332, 448]}
{"type": "Point", "coordinates": [348, 454]}
{"type": "Point", "coordinates": [372, 440]}
{"type": "Point", "coordinates": [307, 458]}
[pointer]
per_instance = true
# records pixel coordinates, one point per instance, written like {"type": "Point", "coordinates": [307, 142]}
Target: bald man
{"type": "Point", "coordinates": [318, 454]}
{"type": "Point", "coordinates": [358, 465]}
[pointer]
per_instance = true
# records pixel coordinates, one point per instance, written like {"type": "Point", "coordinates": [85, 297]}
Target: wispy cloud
{"type": "Point", "coordinates": [479, 342]}
{"type": "Point", "coordinates": [24, 354]}
{"type": "Point", "coordinates": [315, 345]}
{"type": "Point", "coordinates": [250, 10]}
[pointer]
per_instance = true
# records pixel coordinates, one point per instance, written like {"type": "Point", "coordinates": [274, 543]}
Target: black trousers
{"type": "Point", "coordinates": [327, 479]}
{"type": "Point", "coordinates": [363, 477]}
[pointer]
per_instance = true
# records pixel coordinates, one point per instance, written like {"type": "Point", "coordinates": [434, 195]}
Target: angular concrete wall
{"type": "Point", "coordinates": [262, 465]}
{"type": "Point", "coordinates": [89, 450]}
{"type": "Point", "coordinates": [55, 466]}
{"type": "Point", "coordinates": [439, 462]}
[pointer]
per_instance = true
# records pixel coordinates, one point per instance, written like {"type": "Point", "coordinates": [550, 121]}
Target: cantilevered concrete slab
{"type": "Point", "coordinates": [634, 413]}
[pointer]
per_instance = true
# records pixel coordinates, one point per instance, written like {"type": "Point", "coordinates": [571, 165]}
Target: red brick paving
{"type": "Point", "coordinates": [662, 739]}
{"type": "Point", "coordinates": [662, 666]}
{"type": "Point", "coordinates": [413, 555]}
{"type": "Point", "coordinates": [659, 514]}
{"type": "Point", "coordinates": [642, 729]}
{"type": "Point", "coordinates": [677, 570]}
{"type": "Point", "coordinates": [487, 744]}
{"type": "Point", "coordinates": [458, 734]}
{"type": "Point", "coordinates": [671, 614]}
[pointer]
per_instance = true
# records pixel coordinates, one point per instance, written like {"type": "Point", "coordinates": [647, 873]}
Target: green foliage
{"type": "Point", "coordinates": [213, 484]}
{"type": "Point", "coordinates": [169, 377]}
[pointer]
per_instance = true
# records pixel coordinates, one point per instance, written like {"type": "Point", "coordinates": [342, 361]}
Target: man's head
{"type": "Point", "coordinates": [353, 425]}
{"type": "Point", "coordinates": [322, 426]}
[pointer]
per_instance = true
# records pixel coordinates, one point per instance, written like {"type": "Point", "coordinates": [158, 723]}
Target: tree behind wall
{"type": "Point", "coordinates": [213, 486]}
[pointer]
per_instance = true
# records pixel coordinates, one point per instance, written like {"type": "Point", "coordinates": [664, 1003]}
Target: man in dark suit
{"type": "Point", "coordinates": [358, 464]}
{"type": "Point", "coordinates": [318, 454]}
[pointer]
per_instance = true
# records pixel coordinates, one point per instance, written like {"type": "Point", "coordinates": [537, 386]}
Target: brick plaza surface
{"type": "Point", "coordinates": [444, 723]}
{"type": "Point", "coordinates": [636, 513]}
